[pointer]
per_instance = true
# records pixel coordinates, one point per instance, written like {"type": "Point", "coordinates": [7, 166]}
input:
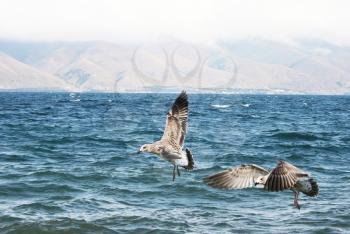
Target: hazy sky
{"type": "Point", "coordinates": [198, 20]}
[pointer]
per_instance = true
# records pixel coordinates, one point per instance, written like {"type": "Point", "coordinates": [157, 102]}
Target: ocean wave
{"type": "Point", "coordinates": [296, 136]}
{"type": "Point", "coordinates": [69, 176]}
{"type": "Point", "coordinates": [38, 206]}
{"type": "Point", "coordinates": [66, 225]}
{"type": "Point", "coordinates": [75, 100]}
{"type": "Point", "coordinates": [218, 106]}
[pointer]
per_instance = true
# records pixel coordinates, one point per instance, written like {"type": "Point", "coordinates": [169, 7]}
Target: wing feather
{"type": "Point", "coordinates": [176, 122]}
{"type": "Point", "coordinates": [284, 176]}
{"type": "Point", "coordinates": [239, 177]}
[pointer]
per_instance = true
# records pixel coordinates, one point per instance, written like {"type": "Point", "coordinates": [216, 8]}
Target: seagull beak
{"type": "Point", "coordinates": [138, 152]}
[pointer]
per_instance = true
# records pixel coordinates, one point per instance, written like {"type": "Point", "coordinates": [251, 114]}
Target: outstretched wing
{"type": "Point", "coordinates": [284, 176]}
{"type": "Point", "coordinates": [240, 177]}
{"type": "Point", "coordinates": [176, 123]}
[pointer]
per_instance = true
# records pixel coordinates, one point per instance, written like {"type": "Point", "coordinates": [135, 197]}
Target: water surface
{"type": "Point", "coordinates": [67, 163]}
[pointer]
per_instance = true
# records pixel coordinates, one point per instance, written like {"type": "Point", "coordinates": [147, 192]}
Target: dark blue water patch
{"type": "Point", "coordinates": [295, 136]}
{"type": "Point", "coordinates": [56, 226]}
{"type": "Point", "coordinates": [69, 166]}
{"type": "Point", "coordinates": [36, 207]}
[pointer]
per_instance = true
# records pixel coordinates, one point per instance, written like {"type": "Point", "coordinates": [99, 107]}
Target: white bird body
{"type": "Point", "coordinates": [176, 159]}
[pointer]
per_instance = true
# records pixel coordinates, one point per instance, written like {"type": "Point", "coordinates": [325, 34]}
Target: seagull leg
{"type": "Point", "coordinates": [178, 171]}
{"type": "Point", "coordinates": [296, 204]}
{"type": "Point", "coordinates": [174, 173]}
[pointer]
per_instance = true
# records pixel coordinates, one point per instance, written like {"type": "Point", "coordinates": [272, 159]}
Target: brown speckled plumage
{"type": "Point", "coordinates": [283, 176]}
{"type": "Point", "coordinates": [170, 146]}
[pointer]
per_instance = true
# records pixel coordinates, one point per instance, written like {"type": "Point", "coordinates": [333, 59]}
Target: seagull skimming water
{"type": "Point", "coordinates": [170, 146]}
{"type": "Point", "coordinates": [284, 176]}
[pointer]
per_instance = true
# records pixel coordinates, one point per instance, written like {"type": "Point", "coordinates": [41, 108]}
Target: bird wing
{"type": "Point", "coordinates": [284, 176]}
{"type": "Point", "coordinates": [240, 177]}
{"type": "Point", "coordinates": [176, 122]}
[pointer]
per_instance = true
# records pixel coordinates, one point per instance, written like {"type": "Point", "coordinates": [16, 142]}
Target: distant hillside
{"type": "Point", "coordinates": [17, 75]}
{"type": "Point", "coordinates": [247, 66]}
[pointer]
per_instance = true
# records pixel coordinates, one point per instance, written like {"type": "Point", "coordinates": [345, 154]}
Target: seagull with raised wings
{"type": "Point", "coordinates": [170, 146]}
{"type": "Point", "coordinates": [283, 176]}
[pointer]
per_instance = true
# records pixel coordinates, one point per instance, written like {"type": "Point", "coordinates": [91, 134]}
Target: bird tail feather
{"type": "Point", "coordinates": [190, 160]}
{"type": "Point", "coordinates": [314, 188]}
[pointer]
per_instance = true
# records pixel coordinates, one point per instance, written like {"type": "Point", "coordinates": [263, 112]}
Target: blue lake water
{"type": "Point", "coordinates": [67, 163]}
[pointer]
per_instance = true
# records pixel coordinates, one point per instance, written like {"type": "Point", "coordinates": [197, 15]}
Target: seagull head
{"type": "Point", "coordinates": [261, 180]}
{"type": "Point", "coordinates": [145, 148]}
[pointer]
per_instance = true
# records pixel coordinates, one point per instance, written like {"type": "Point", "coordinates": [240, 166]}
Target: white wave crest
{"type": "Point", "coordinates": [220, 106]}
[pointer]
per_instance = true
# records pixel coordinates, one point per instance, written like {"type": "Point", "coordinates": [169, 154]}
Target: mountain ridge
{"type": "Point", "coordinates": [235, 66]}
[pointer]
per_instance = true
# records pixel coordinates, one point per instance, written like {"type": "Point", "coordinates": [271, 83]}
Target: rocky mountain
{"type": "Point", "coordinates": [248, 66]}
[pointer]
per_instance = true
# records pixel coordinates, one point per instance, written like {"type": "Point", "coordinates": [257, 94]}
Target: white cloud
{"type": "Point", "coordinates": [193, 20]}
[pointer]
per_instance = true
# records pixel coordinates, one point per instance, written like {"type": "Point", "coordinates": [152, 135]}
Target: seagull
{"type": "Point", "coordinates": [170, 146]}
{"type": "Point", "coordinates": [283, 176]}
